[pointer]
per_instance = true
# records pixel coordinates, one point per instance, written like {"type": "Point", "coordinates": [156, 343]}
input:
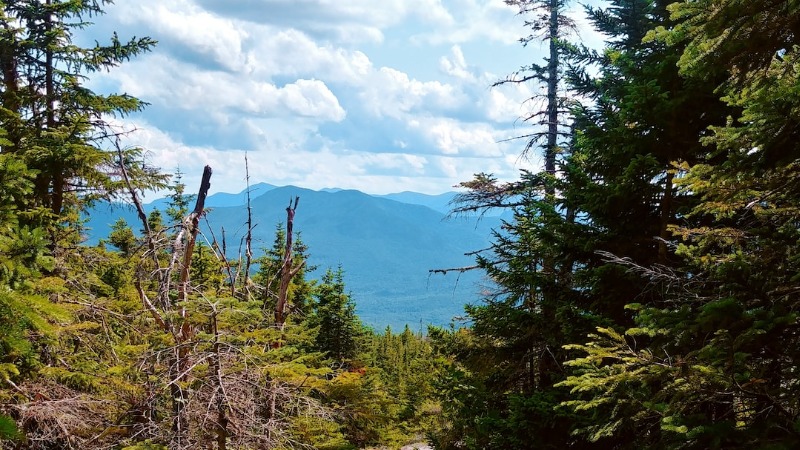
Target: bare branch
{"type": "Point", "coordinates": [151, 308]}
{"type": "Point", "coordinates": [454, 269]}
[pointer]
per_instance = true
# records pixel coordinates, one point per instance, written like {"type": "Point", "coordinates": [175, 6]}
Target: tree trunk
{"type": "Point", "coordinates": [57, 177]}
{"type": "Point", "coordinates": [547, 362]}
{"type": "Point", "coordinates": [222, 398]}
{"type": "Point", "coordinates": [11, 101]}
{"type": "Point", "coordinates": [287, 270]}
{"type": "Point", "coordinates": [184, 332]}
{"type": "Point", "coordinates": [666, 217]}
{"type": "Point", "coordinates": [552, 96]}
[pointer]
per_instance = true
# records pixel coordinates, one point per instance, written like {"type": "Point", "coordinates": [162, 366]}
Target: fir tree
{"type": "Point", "coordinates": [55, 125]}
{"type": "Point", "coordinates": [334, 314]}
{"type": "Point", "coordinates": [707, 366]}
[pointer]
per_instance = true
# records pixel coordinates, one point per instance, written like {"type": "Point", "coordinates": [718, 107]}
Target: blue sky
{"type": "Point", "coordinates": [381, 97]}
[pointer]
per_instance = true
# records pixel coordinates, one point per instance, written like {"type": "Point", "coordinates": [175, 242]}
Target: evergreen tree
{"type": "Point", "coordinates": [122, 237]}
{"type": "Point", "coordinates": [520, 327]}
{"type": "Point", "coordinates": [615, 196]}
{"type": "Point", "coordinates": [57, 154]}
{"type": "Point", "coordinates": [549, 23]}
{"type": "Point", "coordinates": [335, 316]}
{"type": "Point", "coordinates": [54, 124]}
{"type": "Point", "coordinates": [269, 273]}
{"type": "Point", "coordinates": [709, 365]}
{"type": "Point", "coordinates": [179, 201]}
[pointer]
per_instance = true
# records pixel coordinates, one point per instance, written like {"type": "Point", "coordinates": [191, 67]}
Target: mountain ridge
{"type": "Point", "coordinates": [385, 246]}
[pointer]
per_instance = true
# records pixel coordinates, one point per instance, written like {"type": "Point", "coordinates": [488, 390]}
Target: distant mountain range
{"type": "Point", "coordinates": [385, 243]}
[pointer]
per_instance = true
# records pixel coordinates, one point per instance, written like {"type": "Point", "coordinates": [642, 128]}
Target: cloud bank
{"type": "Point", "coordinates": [323, 93]}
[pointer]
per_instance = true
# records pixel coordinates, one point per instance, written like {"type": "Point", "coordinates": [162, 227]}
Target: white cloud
{"type": "Point", "coordinates": [476, 20]}
{"type": "Point", "coordinates": [312, 169]}
{"type": "Point", "coordinates": [179, 86]}
{"type": "Point", "coordinates": [456, 65]}
{"type": "Point", "coordinates": [181, 21]}
{"type": "Point", "coordinates": [452, 137]}
{"type": "Point", "coordinates": [333, 16]}
{"type": "Point", "coordinates": [507, 103]}
{"type": "Point", "coordinates": [356, 94]}
{"type": "Point", "coordinates": [392, 93]}
{"type": "Point", "coordinates": [311, 98]}
{"type": "Point", "coordinates": [290, 52]}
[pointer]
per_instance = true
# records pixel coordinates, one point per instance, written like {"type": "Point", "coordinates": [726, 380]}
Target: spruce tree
{"type": "Point", "coordinates": [339, 329]}
{"type": "Point", "coordinates": [54, 124]}
{"type": "Point", "coordinates": [58, 154]}
{"type": "Point", "coordinates": [519, 328]}
{"type": "Point", "coordinates": [710, 365]}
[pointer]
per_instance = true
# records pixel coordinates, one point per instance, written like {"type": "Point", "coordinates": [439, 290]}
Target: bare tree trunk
{"type": "Point", "coordinates": [248, 252]}
{"type": "Point", "coordinates": [184, 332]}
{"type": "Point", "coordinates": [552, 95]}
{"type": "Point", "coordinates": [181, 332]}
{"type": "Point", "coordinates": [666, 217]}
{"type": "Point", "coordinates": [288, 271]}
{"type": "Point", "coordinates": [222, 397]}
{"type": "Point", "coordinates": [57, 169]}
{"type": "Point", "coordinates": [547, 362]}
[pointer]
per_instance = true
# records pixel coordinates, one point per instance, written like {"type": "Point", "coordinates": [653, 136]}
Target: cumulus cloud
{"type": "Point", "coordinates": [325, 167]}
{"type": "Point", "coordinates": [290, 52]}
{"type": "Point", "coordinates": [178, 86]}
{"type": "Point", "coordinates": [182, 23]}
{"type": "Point", "coordinates": [452, 137]}
{"type": "Point", "coordinates": [455, 65]}
{"type": "Point", "coordinates": [476, 20]}
{"type": "Point", "coordinates": [392, 93]}
{"type": "Point", "coordinates": [326, 93]}
{"type": "Point", "coordinates": [349, 21]}
{"type": "Point", "coordinates": [508, 102]}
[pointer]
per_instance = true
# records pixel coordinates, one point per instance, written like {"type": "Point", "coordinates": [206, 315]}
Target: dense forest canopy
{"type": "Point", "coordinates": [644, 291]}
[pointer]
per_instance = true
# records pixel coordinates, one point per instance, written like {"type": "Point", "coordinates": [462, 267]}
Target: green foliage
{"type": "Point", "coordinates": [643, 294]}
{"type": "Point", "coordinates": [54, 125]}
{"type": "Point", "coordinates": [207, 269]}
{"type": "Point", "coordinates": [268, 274]}
{"type": "Point", "coordinates": [179, 201]}
{"type": "Point", "coordinates": [23, 255]}
{"type": "Point", "coordinates": [338, 327]}
{"type": "Point", "coordinates": [676, 221]}
{"type": "Point", "coordinates": [386, 396]}
{"type": "Point", "coordinates": [701, 367]}
{"type": "Point", "coordinates": [122, 237]}
{"type": "Point", "coordinates": [8, 429]}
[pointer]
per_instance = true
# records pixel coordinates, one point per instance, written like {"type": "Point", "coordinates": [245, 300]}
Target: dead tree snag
{"type": "Point", "coordinates": [288, 268]}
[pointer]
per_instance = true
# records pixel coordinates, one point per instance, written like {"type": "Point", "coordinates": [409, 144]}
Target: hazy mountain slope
{"type": "Point", "coordinates": [386, 247]}
{"type": "Point", "coordinates": [440, 203]}
{"type": "Point", "coordinates": [219, 199]}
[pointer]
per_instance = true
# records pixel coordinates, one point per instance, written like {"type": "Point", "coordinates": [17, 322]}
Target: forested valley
{"type": "Point", "coordinates": [645, 294]}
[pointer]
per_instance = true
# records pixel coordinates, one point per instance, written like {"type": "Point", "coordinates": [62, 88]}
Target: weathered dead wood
{"type": "Point", "coordinates": [288, 269]}
{"type": "Point", "coordinates": [248, 251]}
{"type": "Point", "coordinates": [453, 269]}
{"type": "Point", "coordinates": [178, 370]}
{"type": "Point", "coordinates": [221, 396]}
{"type": "Point", "coordinates": [182, 331]}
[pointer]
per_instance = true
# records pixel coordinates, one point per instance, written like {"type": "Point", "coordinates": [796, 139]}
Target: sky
{"type": "Point", "coordinates": [380, 96]}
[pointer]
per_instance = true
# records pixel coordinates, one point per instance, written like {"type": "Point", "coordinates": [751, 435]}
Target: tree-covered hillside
{"type": "Point", "coordinates": [644, 287]}
{"type": "Point", "coordinates": [386, 247]}
{"type": "Point", "coordinates": [155, 339]}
